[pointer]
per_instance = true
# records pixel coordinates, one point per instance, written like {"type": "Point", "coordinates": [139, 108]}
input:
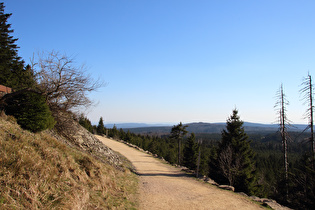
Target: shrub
{"type": "Point", "coordinates": [31, 111]}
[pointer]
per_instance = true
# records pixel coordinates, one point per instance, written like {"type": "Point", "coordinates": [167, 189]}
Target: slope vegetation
{"type": "Point", "coordinates": [37, 171]}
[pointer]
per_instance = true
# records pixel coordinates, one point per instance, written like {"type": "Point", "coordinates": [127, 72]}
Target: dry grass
{"type": "Point", "coordinates": [38, 172]}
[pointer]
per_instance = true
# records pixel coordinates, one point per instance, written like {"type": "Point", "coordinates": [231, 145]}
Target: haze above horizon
{"type": "Point", "coordinates": [178, 61]}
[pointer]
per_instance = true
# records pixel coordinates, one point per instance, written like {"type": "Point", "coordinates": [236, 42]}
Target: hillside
{"type": "Point", "coordinates": [40, 171]}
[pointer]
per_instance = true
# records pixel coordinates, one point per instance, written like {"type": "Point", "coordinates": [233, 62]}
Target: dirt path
{"type": "Point", "coordinates": [165, 187]}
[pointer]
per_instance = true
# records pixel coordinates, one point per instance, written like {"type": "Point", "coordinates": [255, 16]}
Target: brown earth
{"type": "Point", "coordinates": [163, 186]}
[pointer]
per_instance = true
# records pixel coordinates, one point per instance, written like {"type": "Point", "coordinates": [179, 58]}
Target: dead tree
{"type": "Point", "coordinates": [225, 160]}
{"type": "Point", "coordinates": [281, 104]}
{"type": "Point", "coordinates": [307, 91]}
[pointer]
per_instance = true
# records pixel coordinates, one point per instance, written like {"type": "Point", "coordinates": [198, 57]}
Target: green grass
{"type": "Point", "coordinates": [39, 172]}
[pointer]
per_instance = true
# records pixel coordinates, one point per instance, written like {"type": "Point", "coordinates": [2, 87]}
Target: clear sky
{"type": "Point", "coordinates": [166, 61]}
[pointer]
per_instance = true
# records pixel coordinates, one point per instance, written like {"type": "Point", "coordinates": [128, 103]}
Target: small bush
{"type": "Point", "coordinates": [31, 111]}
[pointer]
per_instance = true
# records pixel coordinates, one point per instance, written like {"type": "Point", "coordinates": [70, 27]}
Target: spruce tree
{"type": "Point", "coordinates": [100, 127]}
{"type": "Point", "coordinates": [190, 152]}
{"type": "Point", "coordinates": [13, 73]}
{"type": "Point", "coordinates": [31, 111]}
{"type": "Point", "coordinates": [177, 133]}
{"type": "Point", "coordinates": [235, 156]}
{"type": "Point", "coordinates": [114, 133]}
{"type": "Point", "coordinates": [86, 123]}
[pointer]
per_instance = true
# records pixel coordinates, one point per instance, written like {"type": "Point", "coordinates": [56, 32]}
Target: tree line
{"type": "Point", "coordinates": [49, 90]}
{"type": "Point", "coordinates": [253, 166]}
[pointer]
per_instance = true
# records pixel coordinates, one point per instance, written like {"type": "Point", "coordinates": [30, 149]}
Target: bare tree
{"type": "Point", "coordinates": [225, 160]}
{"type": "Point", "coordinates": [229, 164]}
{"type": "Point", "coordinates": [64, 84]}
{"type": "Point", "coordinates": [281, 104]}
{"type": "Point", "coordinates": [307, 91]}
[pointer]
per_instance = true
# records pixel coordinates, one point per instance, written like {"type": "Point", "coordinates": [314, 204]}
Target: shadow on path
{"type": "Point", "coordinates": [165, 174]}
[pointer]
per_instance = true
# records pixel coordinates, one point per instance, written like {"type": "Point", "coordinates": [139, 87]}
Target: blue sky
{"type": "Point", "coordinates": [168, 61]}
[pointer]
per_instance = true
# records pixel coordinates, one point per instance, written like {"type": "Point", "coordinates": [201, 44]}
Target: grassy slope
{"type": "Point", "coordinates": [39, 172]}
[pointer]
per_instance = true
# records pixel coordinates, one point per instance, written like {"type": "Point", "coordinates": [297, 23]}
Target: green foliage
{"type": "Point", "coordinates": [302, 184]}
{"type": "Point", "coordinates": [190, 152]}
{"type": "Point", "coordinates": [235, 160]}
{"type": "Point", "coordinates": [264, 182]}
{"type": "Point", "coordinates": [206, 153]}
{"type": "Point", "coordinates": [100, 129]}
{"type": "Point", "coordinates": [114, 133]}
{"type": "Point", "coordinates": [13, 73]}
{"type": "Point", "coordinates": [86, 123]}
{"type": "Point", "coordinates": [177, 133]}
{"type": "Point", "coordinates": [31, 111]}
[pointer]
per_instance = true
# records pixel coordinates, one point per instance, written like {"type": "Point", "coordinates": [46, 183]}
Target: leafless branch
{"type": "Point", "coordinates": [307, 92]}
{"type": "Point", "coordinates": [64, 84]}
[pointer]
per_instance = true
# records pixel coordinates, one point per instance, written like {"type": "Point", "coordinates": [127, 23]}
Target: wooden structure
{"type": "Point", "coordinates": [4, 90]}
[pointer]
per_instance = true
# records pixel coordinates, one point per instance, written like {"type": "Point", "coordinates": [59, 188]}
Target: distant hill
{"type": "Point", "coordinates": [133, 125]}
{"type": "Point", "coordinates": [201, 127]}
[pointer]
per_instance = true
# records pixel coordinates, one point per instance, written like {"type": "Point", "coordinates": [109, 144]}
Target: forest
{"type": "Point", "coordinates": [279, 165]}
{"type": "Point", "coordinates": [266, 177]}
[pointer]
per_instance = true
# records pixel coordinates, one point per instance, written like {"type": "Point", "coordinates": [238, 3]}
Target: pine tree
{"type": "Point", "coordinates": [177, 133]}
{"type": "Point", "coordinates": [13, 73]}
{"type": "Point", "coordinates": [190, 152]}
{"type": "Point", "coordinates": [86, 123]}
{"type": "Point", "coordinates": [204, 159]}
{"type": "Point", "coordinates": [153, 146]}
{"type": "Point", "coordinates": [100, 127]}
{"type": "Point", "coordinates": [31, 111]}
{"type": "Point", "coordinates": [303, 184]}
{"type": "Point", "coordinates": [235, 156]}
{"type": "Point", "coordinates": [114, 133]}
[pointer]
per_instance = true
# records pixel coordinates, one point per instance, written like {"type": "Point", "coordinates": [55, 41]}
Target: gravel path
{"type": "Point", "coordinates": [165, 187]}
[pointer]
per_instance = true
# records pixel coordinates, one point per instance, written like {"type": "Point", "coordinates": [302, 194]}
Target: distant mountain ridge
{"type": "Point", "coordinates": [134, 125]}
{"type": "Point", "coordinates": [201, 127]}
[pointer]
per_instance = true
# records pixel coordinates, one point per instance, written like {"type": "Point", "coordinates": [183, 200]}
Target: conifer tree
{"type": "Point", "coordinates": [100, 127]}
{"type": "Point", "coordinates": [31, 111]}
{"type": "Point", "coordinates": [190, 152]}
{"type": "Point", "coordinates": [177, 133]}
{"type": "Point", "coordinates": [13, 73]}
{"type": "Point", "coordinates": [86, 123]}
{"type": "Point", "coordinates": [204, 159]}
{"type": "Point", "coordinates": [235, 156]}
{"type": "Point", "coordinates": [114, 133]}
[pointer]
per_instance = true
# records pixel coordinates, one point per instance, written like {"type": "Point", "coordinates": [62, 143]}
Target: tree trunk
{"type": "Point", "coordinates": [178, 161]}
{"type": "Point", "coordinates": [284, 139]}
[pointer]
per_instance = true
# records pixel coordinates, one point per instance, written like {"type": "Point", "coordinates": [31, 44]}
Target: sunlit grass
{"type": "Point", "coordinates": [39, 172]}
